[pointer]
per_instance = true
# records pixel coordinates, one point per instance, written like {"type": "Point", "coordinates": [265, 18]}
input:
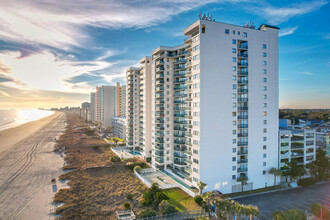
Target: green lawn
{"type": "Point", "coordinates": [181, 200]}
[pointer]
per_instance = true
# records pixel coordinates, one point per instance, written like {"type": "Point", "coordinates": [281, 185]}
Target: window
{"type": "Point", "coordinates": [265, 122]}
{"type": "Point", "coordinates": [264, 113]}
{"type": "Point", "coordinates": [245, 34]}
{"type": "Point", "coordinates": [233, 177]}
{"type": "Point", "coordinates": [234, 142]}
{"type": "Point", "coordinates": [234, 59]}
{"type": "Point", "coordinates": [234, 104]}
{"type": "Point", "coordinates": [234, 150]}
{"type": "Point", "coordinates": [264, 172]}
{"type": "Point", "coordinates": [234, 50]}
{"type": "Point", "coordinates": [265, 130]}
{"type": "Point", "coordinates": [195, 179]}
{"type": "Point", "coordinates": [264, 54]}
{"type": "Point", "coordinates": [264, 96]}
{"type": "Point", "coordinates": [195, 170]}
{"type": "Point", "coordinates": [203, 28]}
{"type": "Point", "coordinates": [196, 48]}
{"type": "Point", "coordinates": [234, 159]}
{"type": "Point", "coordinates": [234, 122]}
{"type": "Point", "coordinates": [233, 95]}
{"type": "Point", "coordinates": [234, 77]}
{"type": "Point", "coordinates": [196, 57]}
{"type": "Point", "coordinates": [233, 68]}
{"type": "Point", "coordinates": [264, 147]}
{"type": "Point", "coordinates": [195, 160]}
{"type": "Point", "coordinates": [196, 133]}
{"type": "Point", "coordinates": [238, 32]}
{"type": "Point", "coordinates": [264, 63]}
{"type": "Point", "coordinates": [196, 123]}
{"type": "Point", "coordinates": [264, 105]}
{"type": "Point", "coordinates": [227, 31]}
{"type": "Point", "coordinates": [196, 104]}
{"type": "Point", "coordinates": [234, 113]}
{"type": "Point", "coordinates": [264, 164]}
{"type": "Point", "coordinates": [234, 86]}
{"type": "Point", "coordinates": [264, 155]}
{"type": "Point", "coordinates": [264, 79]}
{"type": "Point", "coordinates": [264, 46]}
{"type": "Point", "coordinates": [234, 131]}
{"type": "Point", "coordinates": [196, 95]}
{"type": "Point", "coordinates": [196, 67]}
{"type": "Point", "coordinates": [196, 85]}
{"type": "Point", "coordinates": [234, 41]}
{"type": "Point", "coordinates": [264, 88]}
{"type": "Point", "coordinates": [196, 76]}
{"type": "Point", "coordinates": [264, 138]}
{"type": "Point", "coordinates": [233, 32]}
{"type": "Point", "coordinates": [264, 71]}
{"type": "Point", "coordinates": [234, 168]}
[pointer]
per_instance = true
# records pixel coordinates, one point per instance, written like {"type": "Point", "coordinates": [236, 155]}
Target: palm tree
{"type": "Point", "coordinates": [243, 180]}
{"type": "Point", "coordinates": [253, 211]}
{"type": "Point", "coordinates": [201, 186]}
{"type": "Point", "coordinates": [275, 172]}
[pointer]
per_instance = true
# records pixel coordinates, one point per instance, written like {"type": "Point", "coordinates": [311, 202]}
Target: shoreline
{"type": "Point", "coordinates": [27, 165]}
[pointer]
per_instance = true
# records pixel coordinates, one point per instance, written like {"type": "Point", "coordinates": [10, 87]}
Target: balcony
{"type": "Point", "coordinates": [159, 75]}
{"type": "Point", "coordinates": [181, 87]}
{"type": "Point", "coordinates": [242, 143]}
{"type": "Point", "coordinates": [242, 90]}
{"type": "Point", "coordinates": [158, 82]}
{"type": "Point", "coordinates": [242, 161]}
{"type": "Point", "coordinates": [242, 152]}
{"type": "Point", "coordinates": [159, 160]}
{"type": "Point", "coordinates": [242, 73]}
{"type": "Point", "coordinates": [242, 99]}
{"type": "Point", "coordinates": [242, 64]}
{"type": "Point", "coordinates": [243, 169]}
{"type": "Point", "coordinates": [180, 155]}
{"type": "Point", "coordinates": [242, 108]}
{"type": "Point", "coordinates": [242, 117]}
{"type": "Point", "coordinates": [180, 163]}
{"type": "Point", "coordinates": [161, 88]}
{"type": "Point", "coordinates": [242, 81]}
{"type": "Point", "coordinates": [242, 46]}
{"type": "Point", "coordinates": [182, 60]}
{"type": "Point", "coordinates": [242, 125]}
{"type": "Point", "coordinates": [160, 69]}
{"type": "Point", "coordinates": [242, 55]}
{"type": "Point", "coordinates": [161, 62]}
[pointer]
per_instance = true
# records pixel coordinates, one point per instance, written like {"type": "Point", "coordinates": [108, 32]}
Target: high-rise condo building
{"type": "Point", "coordinates": [93, 106]}
{"type": "Point", "coordinates": [215, 106]}
{"type": "Point", "coordinates": [145, 107]}
{"type": "Point", "coordinates": [122, 103]}
{"type": "Point", "coordinates": [133, 108]}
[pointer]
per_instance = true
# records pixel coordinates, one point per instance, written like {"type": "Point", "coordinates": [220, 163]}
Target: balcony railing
{"type": "Point", "coordinates": [244, 108]}
{"type": "Point", "coordinates": [242, 135]}
{"type": "Point", "coordinates": [242, 125]}
{"type": "Point", "coordinates": [242, 161]}
{"type": "Point", "coordinates": [242, 117]}
{"type": "Point", "coordinates": [242, 143]}
{"type": "Point", "coordinates": [242, 169]}
{"type": "Point", "coordinates": [242, 152]}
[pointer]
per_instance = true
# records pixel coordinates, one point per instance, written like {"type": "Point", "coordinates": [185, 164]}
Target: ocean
{"type": "Point", "coordinates": [16, 117]}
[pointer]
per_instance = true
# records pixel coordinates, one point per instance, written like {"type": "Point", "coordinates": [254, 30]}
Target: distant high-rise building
{"type": "Point", "coordinates": [85, 110]}
{"type": "Point", "coordinates": [93, 107]}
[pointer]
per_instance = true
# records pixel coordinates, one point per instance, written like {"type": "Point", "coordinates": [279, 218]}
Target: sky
{"type": "Point", "coordinates": [54, 53]}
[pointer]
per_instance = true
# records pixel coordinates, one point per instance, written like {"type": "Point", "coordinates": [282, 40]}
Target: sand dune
{"type": "Point", "coordinates": [27, 165]}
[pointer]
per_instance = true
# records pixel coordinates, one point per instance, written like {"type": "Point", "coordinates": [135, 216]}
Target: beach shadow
{"type": "Point", "coordinates": [54, 188]}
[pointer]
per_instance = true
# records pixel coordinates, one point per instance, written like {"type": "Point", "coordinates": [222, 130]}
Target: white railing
{"type": "Point", "coordinates": [146, 182]}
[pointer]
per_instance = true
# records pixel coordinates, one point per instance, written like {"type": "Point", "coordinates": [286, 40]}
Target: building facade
{"type": "Point", "coordinates": [215, 106]}
{"type": "Point", "coordinates": [133, 108]}
{"type": "Point", "coordinates": [85, 111]}
{"type": "Point", "coordinates": [93, 107]}
{"type": "Point", "coordinates": [119, 127]}
{"type": "Point", "coordinates": [298, 145]}
{"type": "Point", "coordinates": [122, 102]}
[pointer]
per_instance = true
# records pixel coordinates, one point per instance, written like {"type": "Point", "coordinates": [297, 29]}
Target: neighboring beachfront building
{"type": "Point", "coordinates": [145, 107]}
{"type": "Point", "coordinates": [119, 127]}
{"type": "Point", "coordinates": [215, 106]}
{"type": "Point", "coordinates": [85, 111]}
{"type": "Point", "coordinates": [93, 107]}
{"type": "Point", "coordinates": [298, 145]}
{"type": "Point", "coordinates": [122, 103]}
{"type": "Point", "coordinates": [107, 105]}
{"type": "Point", "coordinates": [133, 107]}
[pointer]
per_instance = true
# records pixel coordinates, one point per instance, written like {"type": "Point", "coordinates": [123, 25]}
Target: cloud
{"type": "Point", "coordinates": [4, 68]}
{"type": "Point", "coordinates": [307, 73]}
{"type": "Point", "coordinates": [287, 31]}
{"type": "Point", "coordinates": [276, 15]}
{"type": "Point", "coordinates": [45, 71]}
{"type": "Point", "coordinates": [63, 24]}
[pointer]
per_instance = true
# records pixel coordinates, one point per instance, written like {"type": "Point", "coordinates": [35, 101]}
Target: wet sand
{"type": "Point", "coordinates": [27, 165]}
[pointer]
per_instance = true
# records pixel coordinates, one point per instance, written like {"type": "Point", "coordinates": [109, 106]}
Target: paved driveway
{"type": "Point", "coordinates": [300, 198]}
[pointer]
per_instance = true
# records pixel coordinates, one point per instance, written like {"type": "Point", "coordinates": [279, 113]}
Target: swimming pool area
{"type": "Point", "coordinates": [135, 152]}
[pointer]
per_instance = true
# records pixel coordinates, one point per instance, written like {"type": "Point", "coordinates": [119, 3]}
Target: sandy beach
{"type": "Point", "coordinates": [27, 165]}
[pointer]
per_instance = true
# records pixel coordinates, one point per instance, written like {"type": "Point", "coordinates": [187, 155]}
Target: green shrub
{"type": "Point", "coordinates": [96, 147]}
{"type": "Point", "coordinates": [115, 159]}
{"type": "Point", "coordinates": [166, 208]}
{"type": "Point", "coordinates": [306, 182]}
{"type": "Point", "coordinates": [320, 211]}
{"type": "Point", "coordinates": [129, 196]}
{"type": "Point", "coordinates": [291, 214]}
{"type": "Point", "coordinates": [148, 159]}
{"type": "Point", "coordinates": [199, 200]}
{"type": "Point", "coordinates": [127, 205]}
{"type": "Point", "coordinates": [160, 196]}
{"type": "Point", "coordinates": [131, 165]}
{"type": "Point", "coordinates": [137, 169]}
{"type": "Point", "coordinates": [147, 213]}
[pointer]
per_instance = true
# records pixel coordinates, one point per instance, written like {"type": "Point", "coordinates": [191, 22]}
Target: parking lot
{"type": "Point", "coordinates": [299, 198]}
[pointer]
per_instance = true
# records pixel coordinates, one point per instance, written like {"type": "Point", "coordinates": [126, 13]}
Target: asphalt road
{"type": "Point", "coordinates": [299, 198]}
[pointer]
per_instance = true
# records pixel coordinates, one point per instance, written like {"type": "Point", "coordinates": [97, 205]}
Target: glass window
{"type": "Point", "coordinates": [238, 32]}
{"type": "Point", "coordinates": [234, 86]}
{"type": "Point", "coordinates": [234, 95]}
{"type": "Point", "coordinates": [264, 138]}
{"type": "Point", "coordinates": [234, 113]}
{"type": "Point", "coordinates": [245, 34]}
{"type": "Point", "coordinates": [265, 130]}
{"type": "Point", "coordinates": [264, 172]}
{"type": "Point", "coordinates": [264, 155]}
{"type": "Point", "coordinates": [264, 54]}
{"type": "Point", "coordinates": [195, 170]}
{"type": "Point", "coordinates": [264, 147]}
{"type": "Point", "coordinates": [233, 177]}
{"type": "Point", "coordinates": [234, 77]}
{"type": "Point", "coordinates": [264, 46]}
{"type": "Point", "coordinates": [233, 68]}
{"type": "Point", "coordinates": [264, 88]}
{"type": "Point", "coordinates": [227, 31]}
{"type": "Point", "coordinates": [264, 96]}
{"type": "Point", "coordinates": [234, 41]}
{"type": "Point", "coordinates": [264, 71]}
{"type": "Point", "coordinates": [264, 164]}
{"type": "Point", "coordinates": [265, 122]}
{"type": "Point", "coordinates": [234, 59]}
{"type": "Point", "coordinates": [264, 63]}
{"type": "Point", "coordinates": [233, 32]}
{"type": "Point", "coordinates": [234, 159]}
{"type": "Point", "coordinates": [265, 105]}
{"type": "Point", "coordinates": [234, 104]}
{"type": "Point", "coordinates": [234, 131]}
{"type": "Point", "coordinates": [234, 142]}
{"type": "Point", "coordinates": [264, 113]}
{"type": "Point", "coordinates": [234, 168]}
{"type": "Point", "coordinates": [234, 50]}
{"type": "Point", "coordinates": [264, 79]}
